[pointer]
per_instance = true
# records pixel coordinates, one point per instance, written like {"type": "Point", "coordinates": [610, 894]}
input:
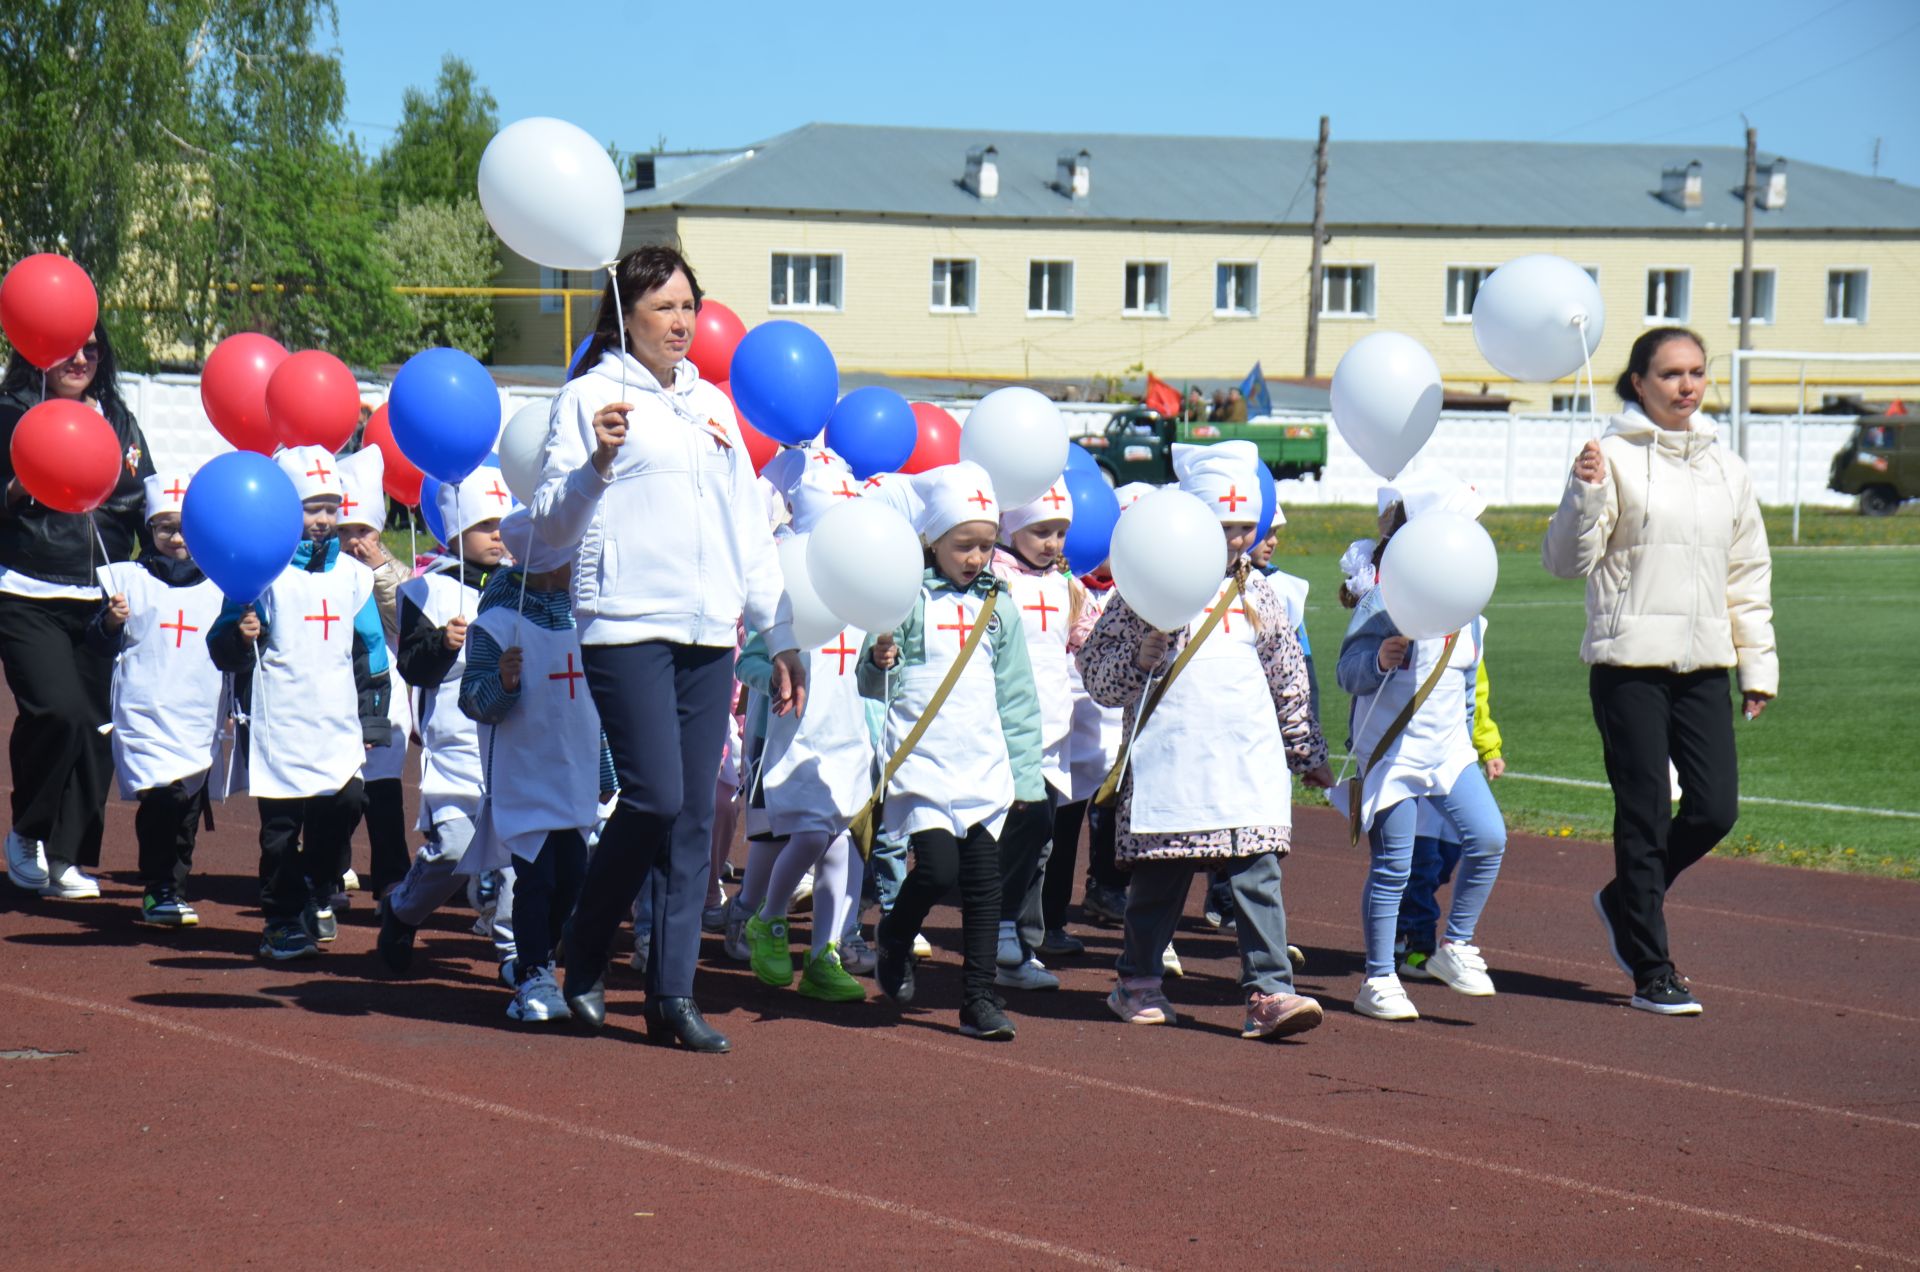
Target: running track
{"type": "Point", "coordinates": [180, 1104]}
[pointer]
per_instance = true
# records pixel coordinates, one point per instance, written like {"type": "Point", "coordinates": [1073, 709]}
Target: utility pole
{"type": "Point", "coordinates": [1316, 273]}
{"type": "Point", "coordinates": [1746, 283]}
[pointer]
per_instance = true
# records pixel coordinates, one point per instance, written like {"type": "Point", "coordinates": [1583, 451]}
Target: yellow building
{"type": "Point", "coordinates": [941, 253]}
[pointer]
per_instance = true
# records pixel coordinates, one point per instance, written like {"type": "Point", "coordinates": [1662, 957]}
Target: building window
{"type": "Point", "coordinates": [953, 287]}
{"type": "Point", "coordinates": [1346, 291]}
{"type": "Point", "coordinates": [1236, 289]}
{"type": "Point", "coordinates": [1846, 295]}
{"type": "Point", "coordinates": [1050, 288]}
{"type": "Point", "coordinates": [1667, 299]}
{"type": "Point", "coordinates": [1573, 404]}
{"type": "Point", "coordinates": [1146, 289]}
{"type": "Point", "coordinates": [1463, 284]}
{"type": "Point", "coordinates": [552, 278]}
{"type": "Point", "coordinates": [1762, 297]}
{"type": "Point", "coordinates": [805, 282]}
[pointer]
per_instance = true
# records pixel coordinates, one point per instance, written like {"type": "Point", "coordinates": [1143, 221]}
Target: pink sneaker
{"type": "Point", "coordinates": [1139, 1001]}
{"type": "Point", "coordinates": [1278, 1015]}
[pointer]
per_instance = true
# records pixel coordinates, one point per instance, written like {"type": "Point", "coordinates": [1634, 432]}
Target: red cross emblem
{"type": "Point", "coordinates": [873, 483]}
{"type": "Point", "coordinates": [569, 675]}
{"type": "Point", "coordinates": [980, 497]}
{"type": "Point", "coordinates": [843, 651]}
{"type": "Point", "coordinates": [320, 470]}
{"type": "Point", "coordinates": [179, 627]}
{"type": "Point", "coordinates": [1226, 619]}
{"type": "Point", "coordinates": [499, 493]}
{"type": "Point", "coordinates": [960, 626]}
{"type": "Point", "coordinates": [347, 504]}
{"type": "Point", "coordinates": [1233, 499]}
{"type": "Point", "coordinates": [1054, 497]}
{"type": "Point", "coordinates": [822, 457]}
{"type": "Point", "coordinates": [175, 491]}
{"type": "Point", "coordinates": [325, 619]}
{"type": "Point", "coordinates": [846, 490]}
{"type": "Point", "coordinates": [1044, 609]}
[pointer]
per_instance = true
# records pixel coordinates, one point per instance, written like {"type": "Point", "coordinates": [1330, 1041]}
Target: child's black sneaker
{"type": "Point", "coordinates": [286, 939]}
{"type": "Point", "coordinates": [1665, 995]}
{"type": "Point", "coordinates": [395, 942]}
{"type": "Point", "coordinates": [162, 907]}
{"type": "Point", "coordinates": [982, 1018]}
{"type": "Point", "coordinates": [893, 970]}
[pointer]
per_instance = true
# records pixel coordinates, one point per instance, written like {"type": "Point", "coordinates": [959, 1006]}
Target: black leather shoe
{"type": "Point", "coordinates": [893, 969]}
{"type": "Point", "coordinates": [677, 1020]}
{"type": "Point", "coordinates": [395, 942]}
{"type": "Point", "coordinates": [589, 1006]}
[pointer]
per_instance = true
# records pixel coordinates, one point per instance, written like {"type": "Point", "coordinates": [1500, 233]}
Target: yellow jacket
{"type": "Point", "coordinates": [1486, 734]}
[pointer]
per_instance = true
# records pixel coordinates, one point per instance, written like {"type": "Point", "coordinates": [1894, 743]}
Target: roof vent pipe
{"type": "Point", "coordinates": [1074, 176]}
{"type": "Point", "coordinates": [1680, 186]}
{"type": "Point", "coordinates": [983, 172]}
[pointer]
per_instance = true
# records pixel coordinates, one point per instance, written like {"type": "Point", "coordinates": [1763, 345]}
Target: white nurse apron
{"type": "Point", "coordinates": [450, 768]}
{"type": "Point", "coordinates": [818, 768]}
{"type": "Point", "coordinates": [167, 693]}
{"type": "Point", "coordinates": [305, 737]}
{"type": "Point", "coordinates": [959, 776]}
{"type": "Point", "coordinates": [1437, 744]}
{"type": "Point", "coordinates": [1043, 601]}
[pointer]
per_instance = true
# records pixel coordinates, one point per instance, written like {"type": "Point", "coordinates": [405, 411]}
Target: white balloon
{"type": "Point", "coordinates": [1528, 315]}
{"type": "Point", "coordinates": [813, 623]}
{"type": "Point", "coordinates": [1168, 557]}
{"type": "Point", "coordinates": [1437, 574]}
{"type": "Point", "coordinates": [1386, 399]}
{"type": "Point", "coordinates": [552, 194]}
{"type": "Point", "coordinates": [523, 449]}
{"type": "Point", "coordinates": [866, 564]}
{"type": "Point", "coordinates": [1017, 435]}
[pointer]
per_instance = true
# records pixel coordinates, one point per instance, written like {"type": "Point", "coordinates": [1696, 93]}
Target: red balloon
{"type": "Point", "coordinates": [939, 442]}
{"type": "Point", "coordinates": [48, 308]}
{"type": "Point", "coordinates": [401, 476]}
{"type": "Point", "coordinates": [760, 448]}
{"type": "Point", "coordinates": [66, 456]}
{"type": "Point", "coordinates": [233, 389]}
{"type": "Point", "coordinates": [716, 333]}
{"type": "Point", "coordinates": [313, 400]}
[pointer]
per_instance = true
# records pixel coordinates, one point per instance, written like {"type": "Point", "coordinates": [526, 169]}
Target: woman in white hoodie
{"type": "Point", "coordinates": [1662, 522]}
{"type": "Point", "coordinates": [647, 473]}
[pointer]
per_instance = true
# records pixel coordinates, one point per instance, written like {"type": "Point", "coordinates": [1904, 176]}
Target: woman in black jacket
{"type": "Point", "coordinates": [61, 761]}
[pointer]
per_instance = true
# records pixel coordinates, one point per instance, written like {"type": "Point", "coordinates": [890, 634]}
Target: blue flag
{"type": "Point", "coordinates": [1254, 390]}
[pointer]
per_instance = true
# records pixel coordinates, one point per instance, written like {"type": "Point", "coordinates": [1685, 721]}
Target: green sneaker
{"type": "Point", "coordinates": [771, 953]}
{"type": "Point", "coordinates": [1413, 965]}
{"type": "Point", "coordinates": [828, 981]}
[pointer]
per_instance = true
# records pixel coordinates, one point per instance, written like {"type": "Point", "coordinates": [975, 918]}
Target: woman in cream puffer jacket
{"type": "Point", "coordinates": [1662, 522]}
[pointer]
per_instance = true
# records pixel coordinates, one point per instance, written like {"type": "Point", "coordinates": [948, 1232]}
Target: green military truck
{"type": "Point", "coordinates": [1880, 463]}
{"type": "Point", "coordinates": [1138, 445]}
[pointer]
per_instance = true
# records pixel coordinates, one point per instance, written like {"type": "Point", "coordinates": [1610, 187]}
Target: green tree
{"type": "Point", "coordinates": [436, 153]}
{"type": "Point", "coordinates": [437, 244]}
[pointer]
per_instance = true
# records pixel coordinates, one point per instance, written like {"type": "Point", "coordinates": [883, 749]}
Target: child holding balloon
{"type": "Point", "coordinates": [1199, 787]}
{"type": "Point", "coordinates": [1412, 739]}
{"type": "Point", "coordinates": [316, 701]}
{"type": "Point", "coordinates": [978, 764]}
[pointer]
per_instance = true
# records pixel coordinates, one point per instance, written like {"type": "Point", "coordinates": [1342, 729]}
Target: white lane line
{"type": "Point", "coordinates": [491, 1108]}
{"type": "Point", "coordinates": [1074, 1077]}
{"type": "Point", "coordinates": [1672, 906]}
{"type": "Point", "coordinates": [1584, 784]}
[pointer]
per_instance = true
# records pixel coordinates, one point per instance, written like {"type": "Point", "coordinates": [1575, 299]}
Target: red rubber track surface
{"type": "Point", "coordinates": [181, 1104]}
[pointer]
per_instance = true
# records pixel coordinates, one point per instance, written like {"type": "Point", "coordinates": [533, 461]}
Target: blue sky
{"type": "Point", "coordinates": [1821, 79]}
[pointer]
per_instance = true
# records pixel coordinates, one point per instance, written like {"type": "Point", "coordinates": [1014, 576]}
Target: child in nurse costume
{"type": "Point", "coordinates": [363, 516]}
{"type": "Point", "coordinates": [1432, 759]}
{"type": "Point", "coordinates": [546, 766]}
{"type": "Point", "coordinates": [435, 610]}
{"type": "Point", "coordinates": [816, 772]}
{"type": "Point", "coordinates": [169, 700]}
{"type": "Point", "coordinates": [316, 701]}
{"type": "Point", "coordinates": [1205, 784]}
{"type": "Point", "coordinates": [979, 761]}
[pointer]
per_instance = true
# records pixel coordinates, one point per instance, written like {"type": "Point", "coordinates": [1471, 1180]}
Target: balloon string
{"type": "Point", "coordinates": [460, 551]}
{"type": "Point", "coordinates": [619, 317]}
{"type": "Point", "coordinates": [1352, 758]}
{"type": "Point", "coordinates": [1586, 353]}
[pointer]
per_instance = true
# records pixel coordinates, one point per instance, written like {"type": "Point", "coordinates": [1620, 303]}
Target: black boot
{"type": "Point", "coordinates": [395, 942]}
{"type": "Point", "coordinates": [677, 1020]}
{"type": "Point", "coordinates": [588, 1003]}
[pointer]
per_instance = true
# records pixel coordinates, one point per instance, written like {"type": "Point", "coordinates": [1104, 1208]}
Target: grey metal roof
{"type": "Point", "coordinates": [916, 172]}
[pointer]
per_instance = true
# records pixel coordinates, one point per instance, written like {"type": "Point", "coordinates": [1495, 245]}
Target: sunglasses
{"type": "Point", "coordinates": [89, 352]}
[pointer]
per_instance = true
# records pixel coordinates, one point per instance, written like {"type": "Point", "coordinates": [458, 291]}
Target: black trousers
{"type": "Point", "coordinates": [664, 708]}
{"type": "Point", "coordinates": [62, 763]}
{"type": "Point", "coordinates": [1057, 892]}
{"type": "Point", "coordinates": [386, 834]}
{"type": "Point", "coordinates": [167, 825]}
{"type": "Point", "coordinates": [1646, 715]}
{"type": "Point", "coordinates": [304, 840]}
{"type": "Point", "coordinates": [1026, 846]}
{"type": "Point", "coordinates": [1103, 838]}
{"type": "Point", "coordinates": [545, 891]}
{"type": "Point", "coordinates": [941, 862]}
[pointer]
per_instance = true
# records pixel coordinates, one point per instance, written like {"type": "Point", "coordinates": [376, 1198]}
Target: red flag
{"type": "Point", "coordinates": [1899, 407]}
{"type": "Point", "coordinates": [1161, 396]}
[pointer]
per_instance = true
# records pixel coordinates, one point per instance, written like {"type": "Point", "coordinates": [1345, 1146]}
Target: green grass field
{"type": "Point", "coordinates": [1845, 730]}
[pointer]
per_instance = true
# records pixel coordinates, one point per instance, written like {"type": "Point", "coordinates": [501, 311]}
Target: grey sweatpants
{"type": "Point", "coordinates": [1158, 893]}
{"type": "Point", "coordinates": [433, 880]}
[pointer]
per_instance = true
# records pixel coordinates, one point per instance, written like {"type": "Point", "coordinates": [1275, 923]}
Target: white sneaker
{"type": "Point", "coordinates": [350, 882]}
{"type": "Point", "coordinates": [538, 999]}
{"type": "Point", "coordinates": [1170, 962]}
{"type": "Point", "coordinates": [26, 862]}
{"type": "Point", "coordinates": [857, 956]}
{"type": "Point", "coordinates": [71, 885]}
{"type": "Point", "coordinates": [1009, 953]}
{"type": "Point", "coordinates": [922, 947]}
{"type": "Point", "coordinates": [1462, 970]}
{"type": "Point", "coordinates": [734, 944]}
{"type": "Point", "coordinates": [1382, 998]}
{"type": "Point", "coordinates": [1032, 974]}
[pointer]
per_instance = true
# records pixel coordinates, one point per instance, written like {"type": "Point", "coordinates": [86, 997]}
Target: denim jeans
{"type": "Point", "coordinates": [1483, 840]}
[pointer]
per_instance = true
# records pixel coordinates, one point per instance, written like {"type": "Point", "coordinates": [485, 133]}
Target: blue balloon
{"type": "Point", "coordinates": [574, 368]}
{"type": "Point", "coordinates": [430, 509]}
{"type": "Point", "coordinates": [873, 429]}
{"type": "Point", "coordinates": [445, 412]}
{"type": "Point", "coordinates": [1096, 510]}
{"type": "Point", "coordinates": [784, 379]}
{"type": "Point", "coordinates": [1269, 502]}
{"type": "Point", "coordinates": [1080, 459]}
{"type": "Point", "coordinates": [242, 522]}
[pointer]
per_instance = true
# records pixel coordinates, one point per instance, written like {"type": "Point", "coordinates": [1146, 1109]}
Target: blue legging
{"type": "Point", "coordinates": [1483, 841]}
